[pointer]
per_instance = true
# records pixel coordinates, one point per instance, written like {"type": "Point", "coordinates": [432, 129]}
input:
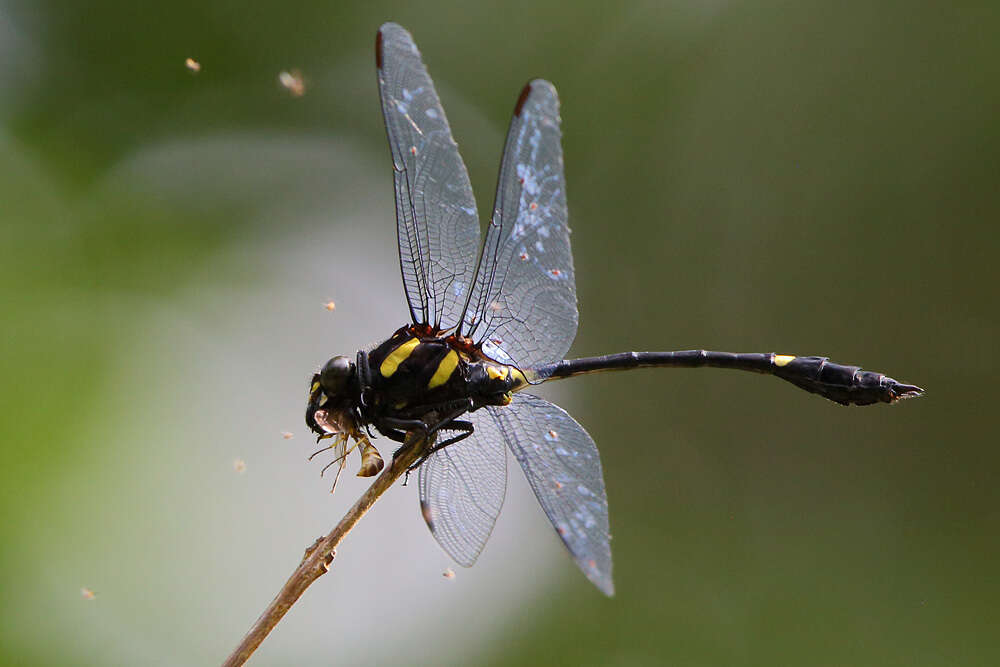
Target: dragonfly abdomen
{"type": "Point", "coordinates": [847, 385]}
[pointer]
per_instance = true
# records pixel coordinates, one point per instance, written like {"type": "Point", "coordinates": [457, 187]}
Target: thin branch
{"type": "Point", "coordinates": [318, 557]}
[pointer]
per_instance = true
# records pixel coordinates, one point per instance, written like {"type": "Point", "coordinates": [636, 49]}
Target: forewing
{"type": "Point", "coordinates": [523, 308]}
{"type": "Point", "coordinates": [563, 467]}
{"type": "Point", "coordinates": [437, 224]}
{"type": "Point", "coordinates": [462, 489]}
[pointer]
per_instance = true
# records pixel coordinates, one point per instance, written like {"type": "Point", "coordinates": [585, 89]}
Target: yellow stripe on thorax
{"type": "Point", "coordinates": [444, 370]}
{"type": "Point", "coordinates": [783, 359]}
{"type": "Point", "coordinates": [396, 357]}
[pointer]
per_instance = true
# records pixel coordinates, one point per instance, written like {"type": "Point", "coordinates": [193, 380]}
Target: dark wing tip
{"type": "Point", "coordinates": [388, 27]}
{"type": "Point", "coordinates": [522, 98]}
{"type": "Point", "coordinates": [428, 514]}
{"type": "Point", "coordinates": [543, 91]}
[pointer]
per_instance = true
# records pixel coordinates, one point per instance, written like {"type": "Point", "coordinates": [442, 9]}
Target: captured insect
{"type": "Point", "coordinates": [490, 320]}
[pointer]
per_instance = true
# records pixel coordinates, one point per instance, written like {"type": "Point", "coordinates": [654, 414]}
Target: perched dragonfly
{"type": "Point", "coordinates": [490, 319]}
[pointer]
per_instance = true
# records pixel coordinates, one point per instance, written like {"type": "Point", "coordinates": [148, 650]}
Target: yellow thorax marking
{"type": "Point", "coordinates": [496, 373]}
{"type": "Point", "coordinates": [396, 357]}
{"type": "Point", "coordinates": [314, 388]}
{"type": "Point", "coordinates": [783, 359]}
{"type": "Point", "coordinates": [444, 370]}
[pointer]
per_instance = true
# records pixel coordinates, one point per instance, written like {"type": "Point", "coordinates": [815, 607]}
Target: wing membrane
{"type": "Point", "coordinates": [437, 224]}
{"type": "Point", "coordinates": [523, 306]}
{"type": "Point", "coordinates": [563, 467]}
{"type": "Point", "coordinates": [462, 488]}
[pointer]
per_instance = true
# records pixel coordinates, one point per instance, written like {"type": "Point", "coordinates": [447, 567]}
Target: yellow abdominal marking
{"type": "Point", "coordinates": [520, 382]}
{"type": "Point", "coordinates": [396, 357]}
{"type": "Point", "coordinates": [444, 370]}
{"type": "Point", "coordinates": [783, 359]}
{"type": "Point", "coordinates": [314, 388]}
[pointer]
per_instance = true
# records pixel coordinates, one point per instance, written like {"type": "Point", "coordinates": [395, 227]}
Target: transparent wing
{"type": "Point", "coordinates": [563, 467]}
{"type": "Point", "coordinates": [437, 224]}
{"type": "Point", "coordinates": [523, 307]}
{"type": "Point", "coordinates": [462, 488]}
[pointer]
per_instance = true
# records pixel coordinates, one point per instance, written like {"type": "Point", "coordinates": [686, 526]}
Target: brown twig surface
{"type": "Point", "coordinates": [318, 557]}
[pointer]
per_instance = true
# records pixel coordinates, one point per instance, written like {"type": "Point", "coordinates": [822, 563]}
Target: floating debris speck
{"type": "Point", "coordinates": [331, 306]}
{"type": "Point", "coordinates": [240, 466]}
{"type": "Point", "coordinates": [87, 594]}
{"type": "Point", "coordinates": [287, 435]}
{"type": "Point", "coordinates": [193, 65]}
{"type": "Point", "coordinates": [448, 574]}
{"type": "Point", "coordinates": [293, 82]}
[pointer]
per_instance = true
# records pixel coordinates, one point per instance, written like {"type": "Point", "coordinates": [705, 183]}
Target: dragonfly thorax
{"type": "Point", "coordinates": [417, 371]}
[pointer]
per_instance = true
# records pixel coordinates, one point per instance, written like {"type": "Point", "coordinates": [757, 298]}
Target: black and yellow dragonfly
{"type": "Point", "coordinates": [489, 320]}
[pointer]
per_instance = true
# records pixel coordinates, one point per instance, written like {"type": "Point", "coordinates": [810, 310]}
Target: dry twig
{"type": "Point", "coordinates": [318, 557]}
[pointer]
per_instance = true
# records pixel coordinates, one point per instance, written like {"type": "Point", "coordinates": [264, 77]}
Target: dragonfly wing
{"type": "Point", "coordinates": [523, 307]}
{"type": "Point", "coordinates": [563, 467]}
{"type": "Point", "coordinates": [462, 488]}
{"type": "Point", "coordinates": [437, 224]}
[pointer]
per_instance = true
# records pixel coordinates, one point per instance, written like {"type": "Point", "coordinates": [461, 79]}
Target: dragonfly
{"type": "Point", "coordinates": [491, 318]}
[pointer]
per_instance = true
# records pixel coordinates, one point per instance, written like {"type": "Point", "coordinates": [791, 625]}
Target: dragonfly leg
{"type": "Point", "coordinates": [450, 411]}
{"type": "Point", "coordinates": [464, 429]}
{"type": "Point", "coordinates": [364, 381]}
{"type": "Point", "coordinates": [393, 434]}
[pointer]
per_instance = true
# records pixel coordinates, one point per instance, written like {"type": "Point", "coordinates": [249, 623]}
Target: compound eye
{"type": "Point", "coordinates": [335, 375]}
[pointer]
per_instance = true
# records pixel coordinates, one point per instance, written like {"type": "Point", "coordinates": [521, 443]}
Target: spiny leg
{"type": "Point", "coordinates": [392, 426]}
{"type": "Point", "coordinates": [464, 429]}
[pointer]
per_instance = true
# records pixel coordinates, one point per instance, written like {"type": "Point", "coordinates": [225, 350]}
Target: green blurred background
{"type": "Point", "coordinates": [806, 177]}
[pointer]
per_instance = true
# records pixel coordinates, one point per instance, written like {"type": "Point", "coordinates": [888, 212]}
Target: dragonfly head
{"type": "Point", "coordinates": [333, 398]}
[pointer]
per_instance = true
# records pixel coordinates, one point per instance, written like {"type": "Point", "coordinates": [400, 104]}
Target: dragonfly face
{"type": "Point", "coordinates": [333, 398]}
{"type": "Point", "coordinates": [491, 318]}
